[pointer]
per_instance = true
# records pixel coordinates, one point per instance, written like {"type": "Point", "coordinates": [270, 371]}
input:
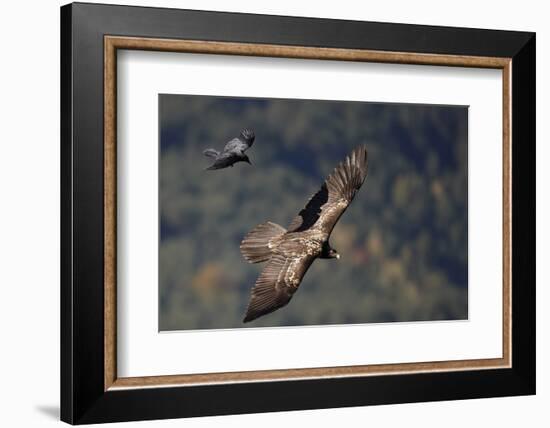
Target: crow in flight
{"type": "Point", "coordinates": [233, 151]}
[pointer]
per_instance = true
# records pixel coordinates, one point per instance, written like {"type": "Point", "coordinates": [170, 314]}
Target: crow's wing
{"type": "Point", "coordinates": [325, 207]}
{"type": "Point", "coordinates": [278, 282]}
{"type": "Point", "coordinates": [222, 161]}
{"type": "Point", "coordinates": [236, 145]}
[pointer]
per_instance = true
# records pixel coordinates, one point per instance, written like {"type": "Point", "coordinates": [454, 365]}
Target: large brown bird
{"type": "Point", "coordinates": [291, 252]}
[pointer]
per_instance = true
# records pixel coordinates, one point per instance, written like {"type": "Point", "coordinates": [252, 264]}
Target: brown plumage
{"type": "Point", "coordinates": [291, 252]}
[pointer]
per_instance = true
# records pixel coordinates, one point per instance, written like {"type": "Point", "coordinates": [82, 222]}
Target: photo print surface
{"type": "Point", "coordinates": [258, 229]}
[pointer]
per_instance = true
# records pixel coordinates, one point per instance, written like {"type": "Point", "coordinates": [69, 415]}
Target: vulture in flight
{"type": "Point", "coordinates": [289, 253]}
{"type": "Point", "coordinates": [233, 151]}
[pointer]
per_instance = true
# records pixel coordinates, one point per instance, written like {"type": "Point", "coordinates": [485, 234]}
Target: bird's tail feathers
{"type": "Point", "coordinates": [256, 245]}
{"type": "Point", "coordinates": [211, 153]}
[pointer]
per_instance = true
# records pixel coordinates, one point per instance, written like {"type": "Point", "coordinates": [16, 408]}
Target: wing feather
{"type": "Point", "coordinates": [276, 284]}
{"type": "Point", "coordinates": [222, 161]}
{"type": "Point", "coordinates": [236, 145]}
{"type": "Point", "coordinates": [327, 205]}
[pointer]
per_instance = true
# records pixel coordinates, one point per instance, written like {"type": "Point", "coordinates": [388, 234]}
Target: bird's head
{"type": "Point", "coordinates": [248, 135]}
{"type": "Point", "coordinates": [333, 254]}
{"type": "Point", "coordinates": [329, 253]}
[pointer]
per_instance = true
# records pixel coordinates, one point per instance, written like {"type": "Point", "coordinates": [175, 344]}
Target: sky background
{"type": "Point", "coordinates": [403, 241]}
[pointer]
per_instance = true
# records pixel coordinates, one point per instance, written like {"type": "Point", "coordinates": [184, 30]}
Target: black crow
{"type": "Point", "coordinates": [291, 252]}
{"type": "Point", "coordinates": [233, 151]}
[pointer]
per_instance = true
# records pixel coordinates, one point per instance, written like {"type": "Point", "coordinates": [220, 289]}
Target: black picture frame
{"type": "Point", "coordinates": [83, 398]}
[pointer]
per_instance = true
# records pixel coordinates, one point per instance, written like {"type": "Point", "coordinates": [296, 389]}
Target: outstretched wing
{"type": "Point", "coordinates": [325, 207]}
{"type": "Point", "coordinates": [236, 145]}
{"type": "Point", "coordinates": [277, 284]}
{"type": "Point", "coordinates": [222, 161]}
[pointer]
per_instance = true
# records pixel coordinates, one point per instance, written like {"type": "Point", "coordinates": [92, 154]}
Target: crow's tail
{"type": "Point", "coordinates": [211, 153]}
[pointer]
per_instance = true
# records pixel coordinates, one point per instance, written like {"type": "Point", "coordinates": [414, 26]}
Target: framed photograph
{"type": "Point", "coordinates": [266, 213]}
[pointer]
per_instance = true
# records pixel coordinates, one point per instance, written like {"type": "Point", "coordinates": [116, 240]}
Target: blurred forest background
{"type": "Point", "coordinates": [403, 241]}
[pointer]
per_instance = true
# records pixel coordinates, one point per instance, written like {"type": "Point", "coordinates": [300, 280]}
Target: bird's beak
{"type": "Point", "coordinates": [248, 160]}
